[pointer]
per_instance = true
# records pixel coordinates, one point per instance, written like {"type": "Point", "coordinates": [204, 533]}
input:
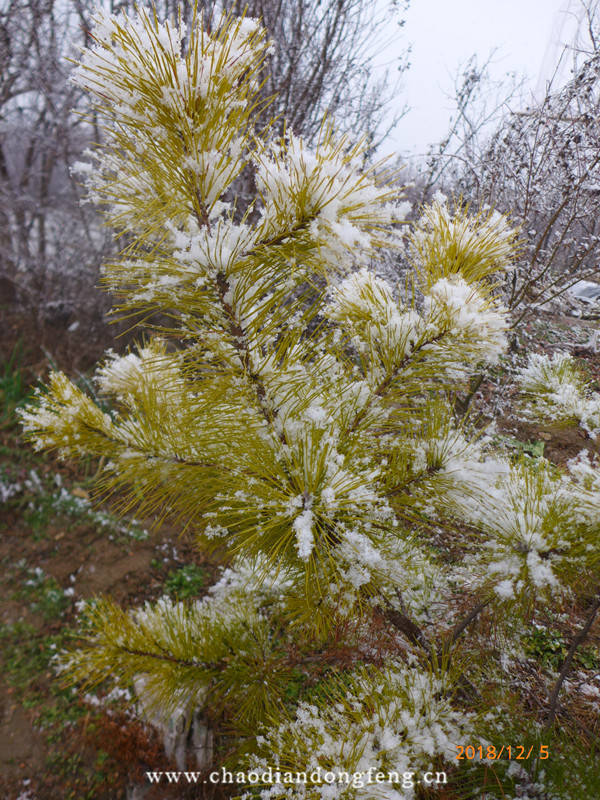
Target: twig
{"type": "Point", "coordinates": [463, 624]}
{"type": "Point", "coordinates": [406, 626]}
{"type": "Point", "coordinates": [568, 661]}
{"type": "Point", "coordinates": [461, 404]}
{"type": "Point", "coordinates": [415, 635]}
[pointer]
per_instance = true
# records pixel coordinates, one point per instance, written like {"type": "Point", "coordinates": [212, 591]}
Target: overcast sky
{"type": "Point", "coordinates": [444, 33]}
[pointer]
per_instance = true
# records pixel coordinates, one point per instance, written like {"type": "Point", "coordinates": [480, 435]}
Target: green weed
{"type": "Point", "coordinates": [14, 389]}
{"type": "Point", "coordinates": [188, 581]}
{"type": "Point", "coordinates": [550, 649]}
{"type": "Point", "coordinates": [44, 594]}
{"type": "Point", "coordinates": [28, 657]}
{"type": "Point", "coordinates": [44, 499]}
{"type": "Point", "coordinates": [546, 646]}
{"type": "Point", "coordinates": [517, 448]}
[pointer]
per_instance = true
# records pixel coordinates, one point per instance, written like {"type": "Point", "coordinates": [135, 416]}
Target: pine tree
{"type": "Point", "coordinates": [297, 412]}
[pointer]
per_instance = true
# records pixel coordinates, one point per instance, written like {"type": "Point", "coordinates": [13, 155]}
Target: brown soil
{"type": "Point", "coordinates": [77, 554]}
{"type": "Point", "coordinates": [561, 443]}
{"type": "Point", "coordinates": [125, 571]}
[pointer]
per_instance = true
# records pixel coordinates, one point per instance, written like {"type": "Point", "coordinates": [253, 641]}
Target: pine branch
{"type": "Point", "coordinates": [180, 662]}
{"type": "Point", "coordinates": [575, 644]}
{"type": "Point", "coordinates": [400, 488]}
{"type": "Point", "coordinates": [240, 343]}
{"type": "Point", "coordinates": [463, 624]}
{"type": "Point", "coordinates": [200, 211]}
{"type": "Point", "coordinates": [154, 454]}
{"type": "Point", "coordinates": [387, 382]}
{"type": "Point", "coordinates": [407, 627]}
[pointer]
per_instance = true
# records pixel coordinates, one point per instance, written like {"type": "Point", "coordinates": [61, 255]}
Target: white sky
{"type": "Point", "coordinates": [444, 33]}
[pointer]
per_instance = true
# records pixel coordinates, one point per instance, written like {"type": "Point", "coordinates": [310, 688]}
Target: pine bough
{"type": "Point", "coordinates": [295, 410]}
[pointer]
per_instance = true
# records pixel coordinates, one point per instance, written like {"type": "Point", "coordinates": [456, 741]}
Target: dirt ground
{"type": "Point", "coordinates": [52, 744]}
{"type": "Point", "coordinates": [58, 549]}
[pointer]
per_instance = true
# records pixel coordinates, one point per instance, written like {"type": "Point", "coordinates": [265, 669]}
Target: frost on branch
{"type": "Point", "coordinates": [295, 412]}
